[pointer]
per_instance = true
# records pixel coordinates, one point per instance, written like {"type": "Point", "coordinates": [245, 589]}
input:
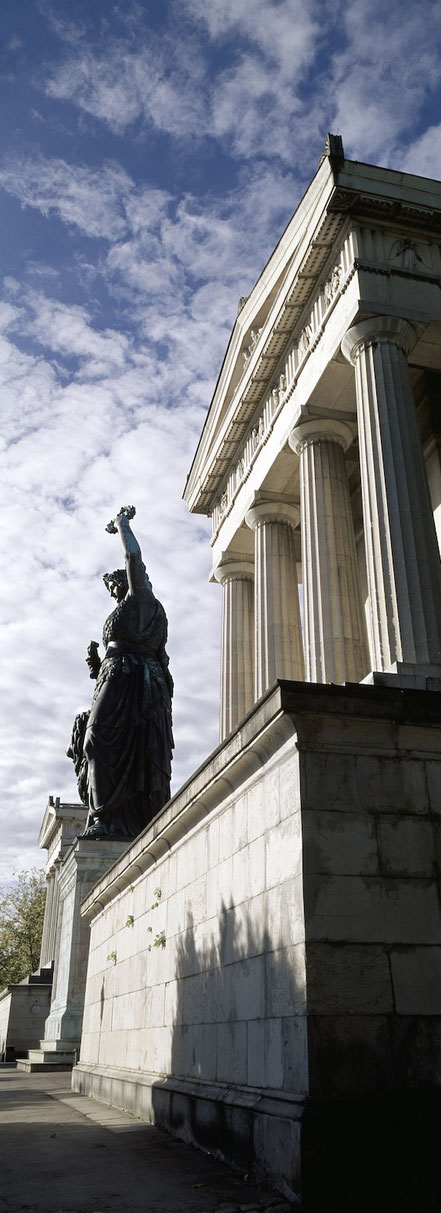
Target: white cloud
{"type": "Point", "coordinates": [71, 458]}
{"type": "Point", "coordinates": [89, 199]}
{"type": "Point", "coordinates": [423, 156]}
{"type": "Point", "coordinates": [383, 74]}
{"type": "Point", "coordinates": [157, 82]}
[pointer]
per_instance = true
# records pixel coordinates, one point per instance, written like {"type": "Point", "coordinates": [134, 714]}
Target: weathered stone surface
{"type": "Point", "coordinates": [416, 978]}
{"type": "Point", "coordinates": [348, 979]}
{"type": "Point", "coordinates": [282, 975]}
{"type": "Point", "coordinates": [371, 909]}
{"type": "Point", "coordinates": [406, 846]}
{"type": "Point", "coordinates": [341, 843]}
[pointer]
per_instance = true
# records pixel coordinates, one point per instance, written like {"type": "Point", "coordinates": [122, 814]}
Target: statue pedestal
{"type": "Point", "coordinates": [84, 865]}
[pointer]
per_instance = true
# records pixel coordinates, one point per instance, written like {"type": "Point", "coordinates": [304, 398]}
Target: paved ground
{"type": "Point", "coordinates": [63, 1153]}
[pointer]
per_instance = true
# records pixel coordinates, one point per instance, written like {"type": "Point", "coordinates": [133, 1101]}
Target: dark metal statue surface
{"type": "Point", "coordinates": [122, 748]}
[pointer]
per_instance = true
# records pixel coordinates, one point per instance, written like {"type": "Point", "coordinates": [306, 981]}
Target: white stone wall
{"type": "Point", "coordinates": [224, 1000]}
{"type": "Point", "coordinates": [298, 875]}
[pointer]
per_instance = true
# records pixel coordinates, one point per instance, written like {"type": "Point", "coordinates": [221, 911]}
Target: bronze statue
{"type": "Point", "coordinates": [122, 748]}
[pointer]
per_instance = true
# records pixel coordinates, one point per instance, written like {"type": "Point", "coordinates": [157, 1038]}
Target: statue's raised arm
{"type": "Point", "coordinates": [138, 582]}
{"type": "Point", "coordinates": [122, 751]}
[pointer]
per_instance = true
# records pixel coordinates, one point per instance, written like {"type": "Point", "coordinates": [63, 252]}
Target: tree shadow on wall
{"type": "Point", "coordinates": [239, 1030]}
{"type": "Point", "coordinates": [239, 1046]}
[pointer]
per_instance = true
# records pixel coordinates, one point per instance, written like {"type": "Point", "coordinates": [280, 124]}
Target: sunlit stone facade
{"type": "Point", "coordinates": [319, 461]}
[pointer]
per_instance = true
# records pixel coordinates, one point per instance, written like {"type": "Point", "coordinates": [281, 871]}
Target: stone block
{"type": "Point", "coordinates": [265, 1054]}
{"type": "Point", "coordinates": [256, 877]}
{"type": "Point", "coordinates": [286, 982]}
{"type": "Point", "coordinates": [256, 819]}
{"type": "Point", "coordinates": [329, 779]}
{"type": "Point", "coordinates": [213, 839]}
{"type": "Point", "coordinates": [416, 977]}
{"type": "Point", "coordinates": [240, 823]}
{"type": "Point", "coordinates": [241, 989]}
{"type": "Point", "coordinates": [231, 1052]}
{"type": "Point", "coordinates": [242, 932]}
{"type": "Point", "coordinates": [220, 888]}
{"type": "Point", "coordinates": [175, 915]}
{"type": "Point", "coordinates": [285, 920]}
{"type": "Point", "coordinates": [134, 1049]}
{"type": "Point", "coordinates": [151, 1004]}
{"type": "Point", "coordinates": [270, 790]}
{"type": "Point", "coordinates": [416, 1050]}
{"type": "Point", "coordinates": [392, 785]}
{"type": "Point", "coordinates": [406, 846]}
{"type": "Point", "coordinates": [277, 1146]}
{"type": "Point", "coordinates": [295, 1053]}
{"type": "Point", "coordinates": [289, 777]}
{"type": "Point", "coordinates": [371, 909]}
{"type": "Point", "coordinates": [339, 843]}
{"type": "Point", "coordinates": [433, 776]}
{"type": "Point", "coordinates": [195, 902]}
{"type": "Point", "coordinates": [187, 866]}
{"type": "Point", "coordinates": [284, 851]}
{"type": "Point", "coordinates": [349, 1054]}
{"type": "Point", "coordinates": [173, 1002]}
{"type": "Point", "coordinates": [129, 1011]}
{"type": "Point", "coordinates": [196, 996]}
{"type": "Point", "coordinates": [226, 833]}
{"type": "Point", "coordinates": [348, 979]}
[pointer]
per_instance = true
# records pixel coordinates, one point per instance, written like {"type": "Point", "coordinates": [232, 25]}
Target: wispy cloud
{"type": "Point", "coordinates": [89, 199]}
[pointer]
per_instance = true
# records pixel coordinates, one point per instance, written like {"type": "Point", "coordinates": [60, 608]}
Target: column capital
{"type": "Point", "coordinates": [272, 511]}
{"type": "Point", "coordinates": [237, 570]}
{"type": "Point", "coordinates": [319, 429]}
{"type": "Point", "coordinates": [374, 331]}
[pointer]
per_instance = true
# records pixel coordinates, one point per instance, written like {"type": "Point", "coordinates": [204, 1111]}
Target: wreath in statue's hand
{"type": "Point", "coordinates": [126, 511]}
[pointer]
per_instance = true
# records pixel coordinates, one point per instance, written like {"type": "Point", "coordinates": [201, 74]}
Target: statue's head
{"type": "Point", "coordinates": [117, 584]}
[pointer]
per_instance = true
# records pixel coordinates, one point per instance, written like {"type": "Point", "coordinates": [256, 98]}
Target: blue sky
{"type": "Point", "coordinates": [152, 154]}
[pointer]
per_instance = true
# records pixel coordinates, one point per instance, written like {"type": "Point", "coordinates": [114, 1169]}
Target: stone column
{"type": "Point", "coordinates": [237, 678]}
{"type": "Point", "coordinates": [402, 555]}
{"type": "Point", "coordinates": [278, 646]}
{"type": "Point", "coordinates": [46, 954]}
{"type": "Point", "coordinates": [335, 646]}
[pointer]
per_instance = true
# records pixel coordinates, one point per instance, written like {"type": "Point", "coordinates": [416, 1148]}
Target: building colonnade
{"type": "Point", "coordinates": [261, 631]}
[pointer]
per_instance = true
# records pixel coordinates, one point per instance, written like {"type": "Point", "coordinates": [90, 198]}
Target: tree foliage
{"type": "Point", "coordinates": [21, 925]}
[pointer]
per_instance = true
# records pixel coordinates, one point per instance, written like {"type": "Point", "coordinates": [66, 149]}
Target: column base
{"type": "Point", "coordinates": [407, 676]}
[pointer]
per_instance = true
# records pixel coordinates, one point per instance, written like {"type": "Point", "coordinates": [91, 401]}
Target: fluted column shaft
{"type": "Point", "coordinates": [45, 957]}
{"type": "Point", "coordinates": [237, 676]}
{"type": "Point", "coordinates": [335, 647]}
{"type": "Point", "coordinates": [278, 646]}
{"type": "Point", "coordinates": [402, 555]}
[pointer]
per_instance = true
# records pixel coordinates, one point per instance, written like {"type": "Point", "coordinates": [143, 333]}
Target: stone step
{"type": "Point", "coordinates": [36, 1067]}
{"type": "Point", "coordinates": [49, 1057]}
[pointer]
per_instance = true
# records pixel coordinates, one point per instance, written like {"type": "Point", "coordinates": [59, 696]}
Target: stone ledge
{"type": "Point", "coordinates": [286, 711]}
{"type": "Point", "coordinates": [268, 1100]}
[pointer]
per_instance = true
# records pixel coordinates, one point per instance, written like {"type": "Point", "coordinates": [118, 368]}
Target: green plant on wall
{"type": "Point", "coordinates": [160, 939]}
{"type": "Point", "coordinates": [112, 956]}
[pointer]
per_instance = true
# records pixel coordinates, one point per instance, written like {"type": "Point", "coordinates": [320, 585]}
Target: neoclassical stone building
{"type": "Point", "coordinates": [319, 461]}
{"type": "Point", "coordinates": [264, 973]}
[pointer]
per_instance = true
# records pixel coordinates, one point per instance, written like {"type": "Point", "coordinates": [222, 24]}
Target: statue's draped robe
{"type": "Point", "coordinates": [128, 739]}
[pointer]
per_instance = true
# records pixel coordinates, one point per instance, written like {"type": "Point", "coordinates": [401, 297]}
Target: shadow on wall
{"type": "Point", "coordinates": [239, 1076]}
{"type": "Point", "coordinates": [239, 1041]}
